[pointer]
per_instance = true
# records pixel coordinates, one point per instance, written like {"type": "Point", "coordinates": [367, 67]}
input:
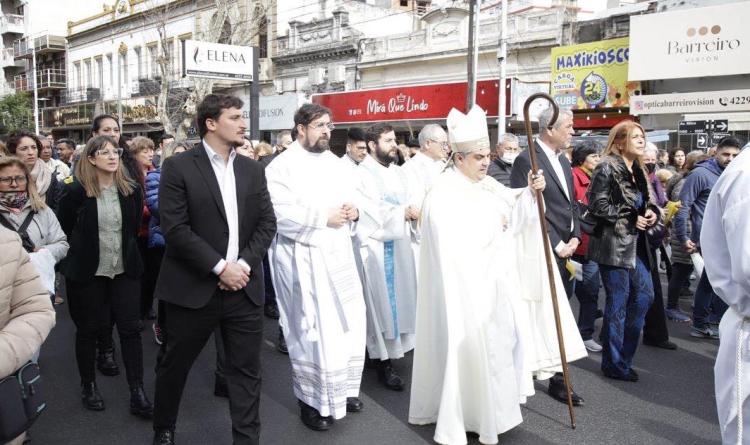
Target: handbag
{"type": "Point", "coordinates": [21, 401]}
{"type": "Point", "coordinates": [586, 220]}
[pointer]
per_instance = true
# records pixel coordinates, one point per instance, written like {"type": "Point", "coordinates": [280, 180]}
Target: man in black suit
{"type": "Point", "coordinates": [218, 221]}
{"type": "Point", "coordinates": [561, 210]}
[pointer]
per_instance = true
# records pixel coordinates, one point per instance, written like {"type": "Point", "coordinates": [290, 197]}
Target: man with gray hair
{"type": "Point", "coordinates": [561, 207]}
{"type": "Point", "coordinates": [506, 151]}
{"type": "Point", "coordinates": [423, 169]}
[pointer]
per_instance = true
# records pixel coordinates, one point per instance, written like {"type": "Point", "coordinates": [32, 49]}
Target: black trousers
{"type": "Point", "coordinates": [565, 275]}
{"type": "Point", "coordinates": [655, 329]}
{"type": "Point", "coordinates": [268, 282]}
{"type": "Point", "coordinates": [94, 306]}
{"type": "Point", "coordinates": [679, 280]}
{"type": "Point", "coordinates": [151, 258]}
{"type": "Point", "coordinates": [241, 326]}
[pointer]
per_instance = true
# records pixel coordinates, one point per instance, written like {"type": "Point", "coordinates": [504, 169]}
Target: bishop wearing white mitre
{"type": "Point", "coordinates": [484, 315]}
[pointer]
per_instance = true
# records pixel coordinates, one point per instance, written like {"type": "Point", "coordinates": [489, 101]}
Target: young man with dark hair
{"type": "Point", "coordinates": [322, 312]}
{"type": "Point", "coordinates": [356, 147]}
{"type": "Point", "coordinates": [164, 141]}
{"type": "Point", "coordinates": [708, 308]}
{"type": "Point", "coordinates": [389, 266]}
{"type": "Point", "coordinates": [217, 220]}
{"type": "Point", "coordinates": [66, 148]}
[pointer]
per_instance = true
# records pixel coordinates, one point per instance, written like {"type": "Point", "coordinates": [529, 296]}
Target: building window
{"type": "Point", "coordinates": [111, 70]}
{"type": "Point", "coordinates": [123, 60]}
{"type": "Point", "coordinates": [139, 62]}
{"type": "Point", "coordinates": [99, 73]}
{"type": "Point", "coordinates": [263, 41]}
{"type": "Point", "coordinates": [404, 3]}
{"type": "Point", "coordinates": [77, 71]}
{"type": "Point", "coordinates": [153, 54]}
{"type": "Point", "coordinates": [89, 74]}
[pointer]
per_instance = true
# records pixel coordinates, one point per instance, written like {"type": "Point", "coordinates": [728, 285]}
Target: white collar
{"type": "Point", "coordinates": [213, 155]}
{"type": "Point", "coordinates": [547, 150]}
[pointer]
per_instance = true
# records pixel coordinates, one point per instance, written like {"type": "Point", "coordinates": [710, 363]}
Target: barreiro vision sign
{"type": "Point", "coordinates": [217, 61]}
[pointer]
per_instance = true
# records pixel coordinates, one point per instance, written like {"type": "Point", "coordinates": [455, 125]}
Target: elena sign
{"type": "Point", "coordinates": [217, 61]}
{"type": "Point", "coordinates": [413, 102]}
{"type": "Point", "coordinates": [696, 42]}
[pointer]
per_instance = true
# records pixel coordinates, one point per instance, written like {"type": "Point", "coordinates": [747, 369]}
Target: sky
{"type": "Point", "coordinates": [52, 16]}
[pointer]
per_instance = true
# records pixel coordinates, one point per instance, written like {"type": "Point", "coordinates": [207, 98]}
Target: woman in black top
{"type": "Point", "coordinates": [100, 212]}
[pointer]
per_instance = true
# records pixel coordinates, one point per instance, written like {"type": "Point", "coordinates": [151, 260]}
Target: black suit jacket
{"type": "Point", "coordinates": [559, 210]}
{"type": "Point", "coordinates": [196, 231]}
{"type": "Point", "coordinates": [78, 215]}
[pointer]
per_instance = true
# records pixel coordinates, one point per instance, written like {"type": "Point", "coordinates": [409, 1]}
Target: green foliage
{"type": "Point", "coordinates": [16, 112]}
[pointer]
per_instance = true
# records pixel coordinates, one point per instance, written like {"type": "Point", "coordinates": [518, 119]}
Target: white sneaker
{"type": "Point", "coordinates": [592, 345]}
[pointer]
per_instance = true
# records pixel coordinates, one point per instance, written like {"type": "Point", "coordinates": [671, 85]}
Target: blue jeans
{"type": "Point", "coordinates": [707, 305]}
{"type": "Point", "coordinates": [629, 295]}
{"type": "Point", "coordinates": [587, 292]}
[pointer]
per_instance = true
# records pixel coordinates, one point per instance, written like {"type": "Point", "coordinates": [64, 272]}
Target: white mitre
{"type": "Point", "coordinates": [468, 132]}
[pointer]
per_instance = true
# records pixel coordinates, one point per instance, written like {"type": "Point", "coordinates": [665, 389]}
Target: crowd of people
{"type": "Point", "coordinates": [432, 246]}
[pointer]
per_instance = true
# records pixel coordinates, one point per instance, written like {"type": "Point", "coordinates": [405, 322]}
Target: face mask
{"type": "Point", "coordinates": [14, 200]}
{"type": "Point", "coordinates": [509, 157]}
{"type": "Point", "coordinates": [651, 167]}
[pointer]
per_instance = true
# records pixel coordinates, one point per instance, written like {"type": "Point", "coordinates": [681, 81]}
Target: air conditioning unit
{"type": "Point", "coordinates": [337, 74]}
{"type": "Point", "coordinates": [317, 76]}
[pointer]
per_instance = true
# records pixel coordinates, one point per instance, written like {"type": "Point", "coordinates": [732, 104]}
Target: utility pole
{"type": "Point", "coordinates": [34, 80]}
{"type": "Point", "coordinates": [121, 51]}
{"type": "Point", "coordinates": [473, 54]}
{"type": "Point", "coordinates": [502, 54]}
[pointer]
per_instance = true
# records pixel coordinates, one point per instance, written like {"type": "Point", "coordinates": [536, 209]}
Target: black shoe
{"type": "Point", "coordinates": [558, 392]}
{"type": "Point", "coordinates": [139, 403]}
{"type": "Point", "coordinates": [666, 344]}
{"type": "Point", "coordinates": [220, 388]}
{"type": "Point", "coordinates": [312, 418]}
{"type": "Point", "coordinates": [281, 344]}
{"type": "Point", "coordinates": [106, 364]}
{"type": "Point", "coordinates": [599, 313]}
{"type": "Point", "coordinates": [163, 437]}
{"type": "Point", "coordinates": [90, 397]}
{"type": "Point", "coordinates": [271, 310]}
{"type": "Point", "coordinates": [353, 405]}
{"type": "Point", "coordinates": [388, 376]}
{"type": "Point", "coordinates": [631, 376]}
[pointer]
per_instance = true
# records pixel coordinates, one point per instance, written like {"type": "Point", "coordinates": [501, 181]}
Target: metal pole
{"type": "Point", "coordinates": [34, 80]}
{"type": "Point", "coordinates": [254, 112]}
{"type": "Point", "coordinates": [472, 56]}
{"type": "Point", "coordinates": [501, 56]}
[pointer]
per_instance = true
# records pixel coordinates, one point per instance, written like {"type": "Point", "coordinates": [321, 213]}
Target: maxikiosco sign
{"type": "Point", "coordinates": [696, 42]}
{"type": "Point", "coordinates": [217, 61]}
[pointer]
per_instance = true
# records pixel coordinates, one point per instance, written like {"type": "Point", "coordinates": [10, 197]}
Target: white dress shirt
{"type": "Point", "coordinates": [224, 171]}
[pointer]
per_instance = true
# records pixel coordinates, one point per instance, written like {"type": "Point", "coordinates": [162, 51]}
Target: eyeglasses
{"type": "Point", "coordinates": [109, 153]}
{"type": "Point", "coordinates": [8, 180]}
{"type": "Point", "coordinates": [321, 125]}
{"type": "Point", "coordinates": [442, 144]}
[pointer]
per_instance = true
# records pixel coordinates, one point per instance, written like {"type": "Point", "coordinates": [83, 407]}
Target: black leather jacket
{"type": "Point", "coordinates": [612, 199]}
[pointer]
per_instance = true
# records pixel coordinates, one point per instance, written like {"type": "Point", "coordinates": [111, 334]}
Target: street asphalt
{"type": "Point", "coordinates": [672, 403]}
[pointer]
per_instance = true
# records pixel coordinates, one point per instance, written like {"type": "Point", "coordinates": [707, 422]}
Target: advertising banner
{"type": "Point", "coordinates": [592, 75]}
{"type": "Point", "coordinates": [681, 103]}
{"type": "Point", "coordinates": [217, 61]}
{"type": "Point", "coordinates": [695, 42]}
{"type": "Point", "coordinates": [413, 102]}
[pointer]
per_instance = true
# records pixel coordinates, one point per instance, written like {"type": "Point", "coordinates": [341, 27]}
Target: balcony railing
{"type": "Point", "coordinates": [11, 23]}
{"type": "Point", "coordinates": [26, 46]}
{"type": "Point", "coordinates": [46, 78]}
{"type": "Point", "coordinates": [78, 95]}
{"type": "Point", "coordinates": [6, 58]}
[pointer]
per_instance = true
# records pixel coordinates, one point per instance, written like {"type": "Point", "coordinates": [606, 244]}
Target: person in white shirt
{"type": "Point", "coordinates": [725, 243]}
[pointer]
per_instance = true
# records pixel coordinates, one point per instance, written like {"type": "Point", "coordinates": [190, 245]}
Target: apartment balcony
{"type": "Point", "coordinates": [25, 47]}
{"type": "Point", "coordinates": [7, 60]}
{"type": "Point", "coordinates": [6, 89]}
{"type": "Point", "coordinates": [47, 79]}
{"type": "Point", "coordinates": [11, 24]}
{"type": "Point", "coordinates": [80, 95]}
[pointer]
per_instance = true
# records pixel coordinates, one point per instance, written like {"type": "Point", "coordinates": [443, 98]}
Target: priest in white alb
{"type": "Point", "coordinates": [389, 268]}
{"type": "Point", "coordinates": [481, 316]}
{"type": "Point", "coordinates": [423, 168]}
{"type": "Point", "coordinates": [725, 244]}
{"type": "Point", "coordinates": [321, 307]}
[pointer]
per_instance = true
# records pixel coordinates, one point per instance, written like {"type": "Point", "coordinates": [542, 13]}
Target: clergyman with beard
{"type": "Point", "coordinates": [318, 290]}
{"type": "Point", "coordinates": [389, 266]}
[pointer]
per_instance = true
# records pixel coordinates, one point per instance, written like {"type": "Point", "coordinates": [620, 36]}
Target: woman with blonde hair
{"type": "Point", "coordinates": [620, 205]}
{"type": "Point", "coordinates": [100, 211]}
{"type": "Point", "coordinates": [22, 210]}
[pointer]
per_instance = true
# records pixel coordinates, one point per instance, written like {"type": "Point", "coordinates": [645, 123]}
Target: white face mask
{"type": "Point", "coordinates": [509, 157]}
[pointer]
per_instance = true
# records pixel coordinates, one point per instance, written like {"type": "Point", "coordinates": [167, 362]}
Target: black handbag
{"type": "Point", "coordinates": [585, 219]}
{"type": "Point", "coordinates": [21, 401]}
{"type": "Point", "coordinates": [26, 242]}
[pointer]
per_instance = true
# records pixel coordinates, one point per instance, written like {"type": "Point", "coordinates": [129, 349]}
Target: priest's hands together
{"type": "Point", "coordinates": [412, 213]}
{"type": "Point", "coordinates": [233, 278]}
{"type": "Point", "coordinates": [537, 182]}
{"type": "Point", "coordinates": [352, 214]}
{"type": "Point", "coordinates": [339, 216]}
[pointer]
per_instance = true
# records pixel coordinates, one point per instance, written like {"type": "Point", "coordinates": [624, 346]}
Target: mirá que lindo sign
{"type": "Point", "coordinates": [217, 60]}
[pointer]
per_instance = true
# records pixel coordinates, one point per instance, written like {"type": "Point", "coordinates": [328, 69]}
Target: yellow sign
{"type": "Point", "coordinates": [592, 75]}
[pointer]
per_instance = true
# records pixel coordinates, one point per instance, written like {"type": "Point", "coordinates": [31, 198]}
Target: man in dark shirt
{"type": "Point", "coordinates": [506, 151]}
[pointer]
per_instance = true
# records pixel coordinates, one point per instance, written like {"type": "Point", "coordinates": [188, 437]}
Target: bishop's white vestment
{"type": "Point", "coordinates": [390, 285]}
{"type": "Point", "coordinates": [725, 244]}
{"type": "Point", "coordinates": [321, 307]}
{"type": "Point", "coordinates": [481, 322]}
{"type": "Point", "coordinates": [421, 172]}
